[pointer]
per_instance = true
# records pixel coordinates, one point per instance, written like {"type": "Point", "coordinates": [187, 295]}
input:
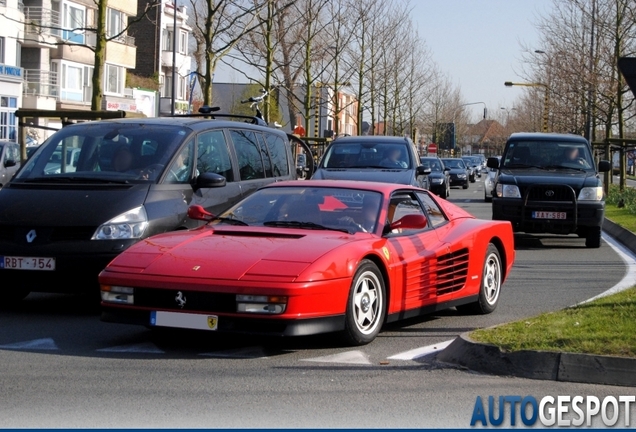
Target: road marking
{"type": "Point", "coordinates": [421, 352]}
{"type": "Point", "coordinates": [349, 357]}
{"type": "Point", "coordinates": [47, 344]}
{"type": "Point", "coordinates": [238, 353]}
{"type": "Point", "coordinates": [145, 347]}
{"type": "Point", "coordinates": [630, 275]}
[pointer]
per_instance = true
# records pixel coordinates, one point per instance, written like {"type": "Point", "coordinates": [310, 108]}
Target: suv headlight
{"type": "Point", "coordinates": [507, 191]}
{"type": "Point", "coordinates": [591, 194]}
{"type": "Point", "coordinates": [437, 181]}
{"type": "Point", "coordinates": [129, 225]}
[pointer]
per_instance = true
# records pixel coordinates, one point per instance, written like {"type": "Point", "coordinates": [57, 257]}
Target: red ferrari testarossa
{"type": "Point", "coordinates": [306, 257]}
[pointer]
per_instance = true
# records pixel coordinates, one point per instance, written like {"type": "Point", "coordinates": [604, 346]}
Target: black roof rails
{"type": "Point", "coordinates": [206, 111]}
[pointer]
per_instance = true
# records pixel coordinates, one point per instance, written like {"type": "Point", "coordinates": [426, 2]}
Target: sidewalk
{"type": "Point", "coordinates": [546, 365]}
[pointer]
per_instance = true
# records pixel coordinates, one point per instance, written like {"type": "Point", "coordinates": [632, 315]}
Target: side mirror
{"type": "Point", "coordinates": [604, 166]}
{"type": "Point", "coordinates": [197, 212]}
{"type": "Point", "coordinates": [9, 163]}
{"type": "Point", "coordinates": [209, 180]}
{"type": "Point", "coordinates": [411, 221]}
{"type": "Point", "coordinates": [492, 162]}
{"type": "Point", "coordinates": [420, 170]}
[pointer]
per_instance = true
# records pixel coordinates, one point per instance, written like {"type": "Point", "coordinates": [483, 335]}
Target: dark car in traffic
{"type": "Point", "coordinates": [439, 178]}
{"type": "Point", "coordinates": [473, 166]}
{"type": "Point", "coordinates": [387, 159]}
{"type": "Point", "coordinates": [458, 172]}
{"type": "Point", "coordinates": [64, 218]}
{"type": "Point", "coordinates": [550, 183]}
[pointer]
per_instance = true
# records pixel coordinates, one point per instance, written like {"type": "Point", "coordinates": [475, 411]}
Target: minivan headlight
{"type": "Point", "coordinates": [591, 194]}
{"type": "Point", "coordinates": [507, 191]}
{"type": "Point", "coordinates": [128, 225]}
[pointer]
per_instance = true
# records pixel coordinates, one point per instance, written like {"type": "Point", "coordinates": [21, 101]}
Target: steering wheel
{"type": "Point", "coordinates": [147, 172]}
{"type": "Point", "coordinates": [348, 221]}
{"type": "Point", "coordinates": [172, 177]}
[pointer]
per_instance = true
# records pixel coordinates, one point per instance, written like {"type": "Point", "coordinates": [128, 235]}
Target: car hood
{"type": "Point", "coordinates": [532, 176]}
{"type": "Point", "coordinates": [54, 205]}
{"type": "Point", "coordinates": [233, 253]}
{"type": "Point", "coordinates": [367, 174]}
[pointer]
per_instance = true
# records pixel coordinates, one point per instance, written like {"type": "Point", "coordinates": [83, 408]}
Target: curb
{"type": "Point", "coordinates": [546, 365]}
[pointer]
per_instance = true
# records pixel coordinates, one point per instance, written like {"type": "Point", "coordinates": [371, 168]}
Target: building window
{"type": "Point", "coordinates": [115, 24]}
{"type": "Point", "coordinates": [8, 121]}
{"type": "Point", "coordinates": [181, 89]}
{"type": "Point", "coordinates": [2, 41]}
{"type": "Point", "coordinates": [114, 79]}
{"type": "Point", "coordinates": [167, 40]}
{"type": "Point", "coordinates": [73, 21]}
{"type": "Point", "coordinates": [72, 82]}
{"type": "Point", "coordinates": [183, 43]}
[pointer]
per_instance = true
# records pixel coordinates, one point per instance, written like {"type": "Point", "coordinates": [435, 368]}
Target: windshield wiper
{"type": "Point", "coordinates": [520, 165]}
{"type": "Point", "coordinates": [74, 179]}
{"type": "Point", "coordinates": [231, 221]}
{"type": "Point", "coordinates": [566, 168]}
{"type": "Point", "coordinates": [301, 225]}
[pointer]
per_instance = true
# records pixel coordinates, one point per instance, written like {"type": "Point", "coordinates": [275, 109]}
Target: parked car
{"type": "Point", "coordinates": [9, 161]}
{"type": "Point", "coordinates": [373, 158]}
{"type": "Point", "coordinates": [299, 258]}
{"type": "Point", "coordinates": [458, 172]}
{"type": "Point", "coordinates": [439, 178]}
{"type": "Point", "coordinates": [64, 219]}
{"type": "Point", "coordinates": [489, 182]}
{"type": "Point", "coordinates": [549, 183]}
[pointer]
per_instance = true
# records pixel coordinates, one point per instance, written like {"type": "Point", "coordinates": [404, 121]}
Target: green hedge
{"type": "Point", "coordinates": [628, 195]}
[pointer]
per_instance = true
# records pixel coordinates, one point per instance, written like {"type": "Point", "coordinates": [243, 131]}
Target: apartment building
{"type": "Point", "coordinates": [47, 60]}
{"type": "Point", "coordinates": [157, 55]}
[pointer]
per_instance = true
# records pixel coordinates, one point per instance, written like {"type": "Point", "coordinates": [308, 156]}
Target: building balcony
{"type": "Point", "coordinates": [41, 26]}
{"type": "Point", "coordinates": [183, 61]}
{"type": "Point", "coordinates": [41, 83]}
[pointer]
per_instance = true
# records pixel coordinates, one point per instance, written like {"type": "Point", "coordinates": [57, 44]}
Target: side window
{"type": "Point", "coordinates": [265, 155]}
{"type": "Point", "coordinates": [278, 152]}
{"type": "Point", "coordinates": [213, 155]}
{"type": "Point", "coordinates": [435, 214]}
{"type": "Point", "coordinates": [403, 204]}
{"type": "Point", "coordinates": [248, 154]}
{"type": "Point", "coordinates": [180, 170]}
{"type": "Point", "coordinates": [15, 153]}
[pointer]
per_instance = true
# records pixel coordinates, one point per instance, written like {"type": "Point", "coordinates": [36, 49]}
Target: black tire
{"type": "Point", "coordinates": [465, 185]}
{"type": "Point", "coordinates": [593, 238]}
{"type": "Point", "coordinates": [491, 280]}
{"type": "Point", "coordinates": [366, 306]}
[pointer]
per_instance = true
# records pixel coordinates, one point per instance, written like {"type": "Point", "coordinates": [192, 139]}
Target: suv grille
{"type": "Point", "coordinates": [45, 235]}
{"type": "Point", "coordinates": [550, 193]}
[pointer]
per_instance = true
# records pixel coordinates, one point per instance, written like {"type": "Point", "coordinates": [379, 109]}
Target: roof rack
{"type": "Point", "coordinates": [206, 112]}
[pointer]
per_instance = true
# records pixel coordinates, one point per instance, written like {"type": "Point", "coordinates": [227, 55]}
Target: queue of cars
{"type": "Point", "coordinates": [201, 224]}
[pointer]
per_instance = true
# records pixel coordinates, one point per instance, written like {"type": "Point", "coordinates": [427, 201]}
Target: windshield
{"type": "Point", "coordinates": [433, 164]}
{"type": "Point", "coordinates": [548, 154]}
{"type": "Point", "coordinates": [106, 151]}
{"type": "Point", "coordinates": [348, 210]}
{"type": "Point", "coordinates": [367, 155]}
{"type": "Point", "coordinates": [454, 163]}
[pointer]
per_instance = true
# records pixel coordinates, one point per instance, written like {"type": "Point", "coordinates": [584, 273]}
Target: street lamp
{"type": "Point", "coordinates": [545, 101]}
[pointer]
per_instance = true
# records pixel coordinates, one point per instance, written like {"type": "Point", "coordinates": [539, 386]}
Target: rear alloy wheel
{"type": "Point", "coordinates": [366, 305]}
{"type": "Point", "coordinates": [491, 279]}
{"type": "Point", "coordinates": [593, 238]}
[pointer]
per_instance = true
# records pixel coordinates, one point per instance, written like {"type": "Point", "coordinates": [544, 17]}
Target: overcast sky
{"type": "Point", "coordinates": [477, 43]}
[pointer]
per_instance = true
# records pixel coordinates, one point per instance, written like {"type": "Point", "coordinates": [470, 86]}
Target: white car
{"type": "Point", "coordinates": [489, 183]}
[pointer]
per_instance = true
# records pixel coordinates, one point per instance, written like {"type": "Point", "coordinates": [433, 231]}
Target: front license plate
{"type": "Point", "coordinates": [548, 215]}
{"type": "Point", "coordinates": [27, 263]}
{"type": "Point", "coordinates": [184, 320]}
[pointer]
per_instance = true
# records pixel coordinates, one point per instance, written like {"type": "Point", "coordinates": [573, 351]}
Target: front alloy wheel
{"type": "Point", "coordinates": [366, 305]}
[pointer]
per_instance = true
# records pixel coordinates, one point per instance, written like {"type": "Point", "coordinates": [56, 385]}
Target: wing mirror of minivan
{"type": "Point", "coordinates": [604, 166]}
{"type": "Point", "coordinates": [492, 162]}
{"type": "Point", "coordinates": [423, 171]}
{"type": "Point", "coordinates": [9, 163]}
{"type": "Point", "coordinates": [197, 212]}
{"type": "Point", "coordinates": [209, 180]}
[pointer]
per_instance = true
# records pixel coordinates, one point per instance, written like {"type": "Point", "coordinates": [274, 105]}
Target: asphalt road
{"type": "Point", "coordinates": [61, 367]}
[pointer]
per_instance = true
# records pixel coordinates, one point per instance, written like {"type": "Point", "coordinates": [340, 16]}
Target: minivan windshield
{"type": "Point", "coordinates": [548, 155]}
{"type": "Point", "coordinates": [104, 151]}
{"type": "Point", "coordinates": [367, 155]}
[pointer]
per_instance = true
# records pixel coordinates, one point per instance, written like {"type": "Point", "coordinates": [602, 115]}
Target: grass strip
{"type": "Point", "coordinates": [605, 326]}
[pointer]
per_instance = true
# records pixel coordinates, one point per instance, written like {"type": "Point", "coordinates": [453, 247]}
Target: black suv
{"type": "Point", "coordinates": [548, 183]}
{"type": "Point", "coordinates": [95, 188]}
